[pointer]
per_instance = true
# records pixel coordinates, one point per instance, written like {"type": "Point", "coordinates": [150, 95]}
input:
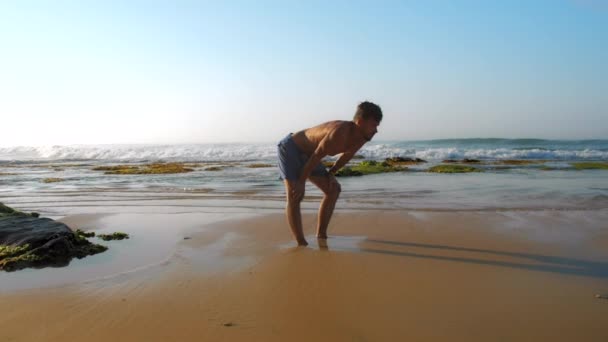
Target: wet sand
{"type": "Point", "coordinates": [381, 276]}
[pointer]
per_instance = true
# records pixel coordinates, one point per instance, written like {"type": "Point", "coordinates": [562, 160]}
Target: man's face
{"type": "Point", "coordinates": [370, 128]}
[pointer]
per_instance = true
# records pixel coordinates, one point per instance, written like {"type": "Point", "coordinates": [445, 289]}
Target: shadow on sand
{"type": "Point", "coordinates": [543, 263]}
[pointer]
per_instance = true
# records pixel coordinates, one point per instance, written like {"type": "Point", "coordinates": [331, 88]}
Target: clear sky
{"type": "Point", "coordinates": [86, 72]}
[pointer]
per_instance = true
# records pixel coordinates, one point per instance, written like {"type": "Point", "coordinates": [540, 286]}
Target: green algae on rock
{"type": "Point", "coordinates": [214, 168]}
{"type": "Point", "coordinates": [113, 236]}
{"type": "Point", "coordinates": [260, 165]}
{"type": "Point", "coordinates": [395, 161]}
{"type": "Point", "coordinates": [590, 165]}
{"type": "Point", "coordinates": [29, 241]}
{"type": "Point", "coordinates": [52, 180]}
{"type": "Point", "coordinates": [348, 171]}
{"type": "Point", "coordinates": [453, 169]}
{"type": "Point", "coordinates": [82, 233]}
{"type": "Point", "coordinates": [8, 211]}
{"type": "Point", "coordinates": [368, 167]}
{"type": "Point", "coordinates": [11, 251]}
{"type": "Point", "coordinates": [154, 168]}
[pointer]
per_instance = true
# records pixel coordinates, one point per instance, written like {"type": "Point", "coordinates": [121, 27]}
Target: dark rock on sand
{"type": "Point", "coordinates": [29, 241]}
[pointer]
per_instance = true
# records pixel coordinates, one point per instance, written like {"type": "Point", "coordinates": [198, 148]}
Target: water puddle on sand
{"type": "Point", "coordinates": [333, 243]}
{"type": "Point", "coordinates": [153, 242]}
{"type": "Point", "coordinates": [216, 256]}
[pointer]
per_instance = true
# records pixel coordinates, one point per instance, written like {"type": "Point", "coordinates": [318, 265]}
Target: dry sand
{"type": "Point", "coordinates": [381, 276]}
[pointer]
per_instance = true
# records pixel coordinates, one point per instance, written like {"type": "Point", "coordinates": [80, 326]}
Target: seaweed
{"type": "Point", "coordinates": [256, 166]}
{"type": "Point", "coordinates": [453, 169]}
{"type": "Point", "coordinates": [52, 180]}
{"type": "Point", "coordinates": [154, 168]}
{"type": "Point", "coordinates": [590, 165]}
{"type": "Point", "coordinates": [368, 167]}
{"type": "Point", "coordinates": [113, 236]}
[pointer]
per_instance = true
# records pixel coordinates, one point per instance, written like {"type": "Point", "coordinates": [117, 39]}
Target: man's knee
{"type": "Point", "coordinates": [293, 198]}
{"type": "Point", "coordinates": [334, 190]}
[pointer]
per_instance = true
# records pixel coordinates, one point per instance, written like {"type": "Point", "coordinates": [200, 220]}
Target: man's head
{"type": "Point", "coordinates": [368, 117]}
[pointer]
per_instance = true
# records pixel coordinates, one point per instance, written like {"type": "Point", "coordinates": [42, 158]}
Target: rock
{"type": "Point", "coordinates": [368, 167]}
{"type": "Point", "coordinates": [453, 169]}
{"type": "Point", "coordinates": [228, 324]}
{"type": "Point", "coordinates": [590, 165]}
{"type": "Point", "coordinates": [403, 161]}
{"type": "Point", "coordinates": [187, 238]}
{"type": "Point", "coordinates": [27, 241]}
{"type": "Point", "coordinates": [463, 161]}
{"type": "Point", "coordinates": [137, 169]}
{"type": "Point", "coordinates": [257, 166]}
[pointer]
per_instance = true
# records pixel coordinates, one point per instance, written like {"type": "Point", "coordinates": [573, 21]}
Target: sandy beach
{"type": "Point", "coordinates": [381, 276]}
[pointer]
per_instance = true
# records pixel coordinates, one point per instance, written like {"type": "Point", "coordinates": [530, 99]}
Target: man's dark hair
{"type": "Point", "coordinates": [367, 110]}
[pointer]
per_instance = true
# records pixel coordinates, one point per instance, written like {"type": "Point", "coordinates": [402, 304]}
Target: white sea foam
{"type": "Point", "coordinates": [257, 151]}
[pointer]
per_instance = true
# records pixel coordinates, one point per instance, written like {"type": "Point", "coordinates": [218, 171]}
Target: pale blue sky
{"type": "Point", "coordinates": [83, 72]}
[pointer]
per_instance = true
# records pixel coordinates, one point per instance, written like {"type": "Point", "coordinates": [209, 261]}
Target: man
{"type": "Point", "coordinates": [300, 157]}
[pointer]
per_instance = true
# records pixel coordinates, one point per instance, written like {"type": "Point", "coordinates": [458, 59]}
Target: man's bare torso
{"type": "Point", "coordinates": [343, 137]}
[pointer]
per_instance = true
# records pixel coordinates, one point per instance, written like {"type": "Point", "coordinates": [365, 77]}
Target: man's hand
{"type": "Point", "coordinates": [297, 192]}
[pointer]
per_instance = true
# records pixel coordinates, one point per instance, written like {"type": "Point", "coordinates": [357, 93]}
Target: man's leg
{"type": "Point", "coordinates": [331, 191]}
{"type": "Point", "coordinates": [294, 216]}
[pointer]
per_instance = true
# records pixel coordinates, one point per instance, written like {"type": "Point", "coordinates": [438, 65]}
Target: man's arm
{"type": "Point", "coordinates": [344, 158]}
{"type": "Point", "coordinates": [333, 137]}
{"type": "Point", "coordinates": [314, 159]}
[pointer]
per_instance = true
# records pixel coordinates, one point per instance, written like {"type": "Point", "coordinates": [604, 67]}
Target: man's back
{"type": "Point", "coordinates": [337, 133]}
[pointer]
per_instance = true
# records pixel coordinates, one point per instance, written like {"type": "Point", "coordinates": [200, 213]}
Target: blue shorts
{"type": "Point", "coordinates": [292, 160]}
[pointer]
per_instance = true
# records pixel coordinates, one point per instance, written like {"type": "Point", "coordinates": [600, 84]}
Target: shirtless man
{"type": "Point", "coordinates": [300, 157]}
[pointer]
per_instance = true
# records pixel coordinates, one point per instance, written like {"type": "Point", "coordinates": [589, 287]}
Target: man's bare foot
{"type": "Point", "coordinates": [302, 243]}
{"type": "Point", "coordinates": [322, 236]}
{"type": "Point", "coordinates": [323, 244]}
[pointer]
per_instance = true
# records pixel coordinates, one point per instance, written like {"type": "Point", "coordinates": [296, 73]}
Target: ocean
{"type": "Point", "coordinates": [551, 183]}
